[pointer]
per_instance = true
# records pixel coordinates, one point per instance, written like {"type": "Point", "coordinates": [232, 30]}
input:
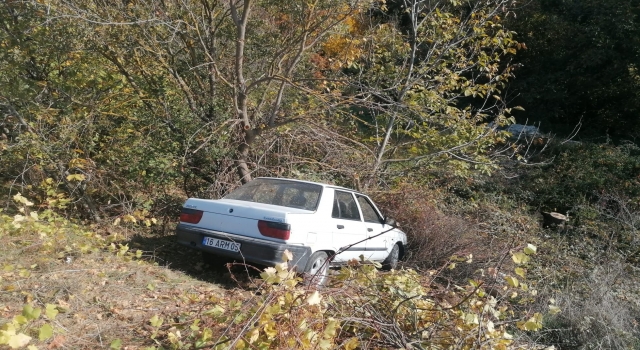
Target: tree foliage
{"type": "Point", "coordinates": [580, 66]}
{"type": "Point", "coordinates": [124, 106]}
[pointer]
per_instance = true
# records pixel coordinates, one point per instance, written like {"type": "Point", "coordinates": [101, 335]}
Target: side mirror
{"type": "Point", "coordinates": [389, 221]}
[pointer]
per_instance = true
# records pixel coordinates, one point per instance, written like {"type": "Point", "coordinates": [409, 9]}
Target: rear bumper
{"type": "Point", "coordinates": [253, 250]}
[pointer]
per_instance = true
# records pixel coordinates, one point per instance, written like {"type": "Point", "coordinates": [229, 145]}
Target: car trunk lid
{"type": "Point", "coordinates": [238, 217]}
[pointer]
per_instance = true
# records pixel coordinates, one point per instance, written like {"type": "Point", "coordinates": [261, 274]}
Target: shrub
{"type": "Point", "coordinates": [363, 308]}
{"type": "Point", "coordinates": [578, 174]}
{"type": "Point", "coordinates": [433, 237]}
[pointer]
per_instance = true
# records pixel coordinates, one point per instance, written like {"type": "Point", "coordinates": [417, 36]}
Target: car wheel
{"type": "Point", "coordinates": [391, 262]}
{"type": "Point", "coordinates": [315, 273]}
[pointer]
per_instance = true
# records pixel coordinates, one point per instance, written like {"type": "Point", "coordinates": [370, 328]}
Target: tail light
{"type": "Point", "coordinates": [274, 229]}
{"type": "Point", "coordinates": [190, 216]}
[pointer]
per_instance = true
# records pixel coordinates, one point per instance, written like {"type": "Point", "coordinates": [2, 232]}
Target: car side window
{"type": "Point", "coordinates": [345, 207]}
{"type": "Point", "coordinates": [368, 211]}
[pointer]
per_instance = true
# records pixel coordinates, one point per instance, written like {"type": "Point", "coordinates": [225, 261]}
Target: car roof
{"type": "Point", "coordinates": [311, 182]}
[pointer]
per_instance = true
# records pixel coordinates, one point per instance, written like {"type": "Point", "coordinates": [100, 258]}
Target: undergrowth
{"type": "Point", "coordinates": [117, 299]}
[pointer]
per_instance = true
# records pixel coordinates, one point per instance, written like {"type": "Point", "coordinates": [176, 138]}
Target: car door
{"type": "Point", "coordinates": [378, 243]}
{"type": "Point", "coordinates": [348, 230]}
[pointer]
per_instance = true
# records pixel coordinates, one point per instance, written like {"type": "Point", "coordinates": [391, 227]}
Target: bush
{"type": "Point", "coordinates": [363, 308]}
{"type": "Point", "coordinates": [577, 175]}
{"type": "Point", "coordinates": [433, 237]}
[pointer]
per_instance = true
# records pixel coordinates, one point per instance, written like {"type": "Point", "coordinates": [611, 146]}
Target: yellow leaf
{"type": "Point", "coordinates": [253, 335]}
{"type": "Point", "coordinates": [520, 272]}
{"type": "Point", "coordinates": [75, 177]}
{"type": "Point", "coordinates": [351, 344]}
{"type": "Point", "coordinates": [18, 340]}
{"type": "Point", "coordinates": [471, 318]}
{"type": "Point", "coordinates": [554, 309]}
{"type": "Point", "coordinates": [490, 326]}
{"type": "Point", "coordinates": [520, 258]}
{"type": "Point", "coordinates": [314, 299]}
{"type": "Point", "coordinates": [513, 282]}
{"type": "Point", "coordinates": [20, 199]}
{"type": "Point", "coordinates": [130, 218]}
{"type": "Point", "coordinates": [325, 344]}
{"type": "Point", "coordinates": [270, 330]}
{"type": "Point", "coordinates": [287, 255]}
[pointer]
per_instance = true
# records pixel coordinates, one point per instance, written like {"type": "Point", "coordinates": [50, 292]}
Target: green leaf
{"type": "Point", "coordinates": [30, 313]}
{"type": "Point", "coordinates": [216, 311]}
{"type": "Point", "coordinates": [520, 258]}
{"type": "Point", "coordinates": [532, 325]}
{"type": "Point", "coordinates": [46, 332]}
{"type": "Point", "coordinates": [530, 249]}
{"type": "Point", "coordinates": [51, 311]}
{"type": "Point", "coordinates": [156, 321]}
{"type": "Point", "coordinates": [116, 344]}
{"type": "Point", "coordinates": [19, 319]}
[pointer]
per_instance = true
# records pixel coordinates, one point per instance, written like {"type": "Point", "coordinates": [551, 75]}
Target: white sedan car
{"type": "Point", "coordinates": [320, 224]}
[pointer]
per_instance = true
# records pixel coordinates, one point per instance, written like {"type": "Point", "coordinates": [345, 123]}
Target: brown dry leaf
{"type": "Point", "coordinates": [57, 342]}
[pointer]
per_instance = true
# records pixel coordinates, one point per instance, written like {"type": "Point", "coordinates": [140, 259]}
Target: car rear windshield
{"type": "Point", "coordinates": [285, 193]}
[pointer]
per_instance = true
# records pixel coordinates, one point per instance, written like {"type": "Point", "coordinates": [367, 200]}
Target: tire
{"type": "Point", "coordinates": [391, 262]}
{"type": "Point", "coordinates": [317, 268]}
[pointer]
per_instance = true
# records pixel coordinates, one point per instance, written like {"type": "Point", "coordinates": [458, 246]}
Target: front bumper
{"type": "Point", "coordinates": [252, 250]}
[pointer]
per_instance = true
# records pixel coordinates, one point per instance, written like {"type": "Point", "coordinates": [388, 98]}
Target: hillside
{"type": "Point", "coordinates": [131, 286]}
{"type": "Point", "coordinates": [64, 287]}
{"type": "Point", "coordinates": [112, 113]}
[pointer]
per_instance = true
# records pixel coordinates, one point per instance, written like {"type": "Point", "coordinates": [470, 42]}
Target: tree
{"type": "Point", "coordinates": [430, 76]}
{"type": "Point", "coordinates": [140, 95]}
{"type": "Point", "coordinates": [238, 88]}
{"type": "Point", "coordinates": [580, 66]}
{"type": "Point", "coordinates": [73, 126]}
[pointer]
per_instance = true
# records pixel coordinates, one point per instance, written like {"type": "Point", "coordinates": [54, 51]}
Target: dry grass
{"type": "Point", "coordinates": [103, 296]}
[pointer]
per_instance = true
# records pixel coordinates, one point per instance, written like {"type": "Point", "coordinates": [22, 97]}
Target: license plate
{"type": "Point", "coordinates": [221, 244]}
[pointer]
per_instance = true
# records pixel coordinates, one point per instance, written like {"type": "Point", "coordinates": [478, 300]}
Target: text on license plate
{"type": "Point", "coordinates": [221, 244]}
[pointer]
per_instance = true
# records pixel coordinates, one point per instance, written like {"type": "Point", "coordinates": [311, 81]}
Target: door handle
{"type": "Point", "coordinates": [341, 226]}
{"type": "Point", "coordinates": [369, 229]}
